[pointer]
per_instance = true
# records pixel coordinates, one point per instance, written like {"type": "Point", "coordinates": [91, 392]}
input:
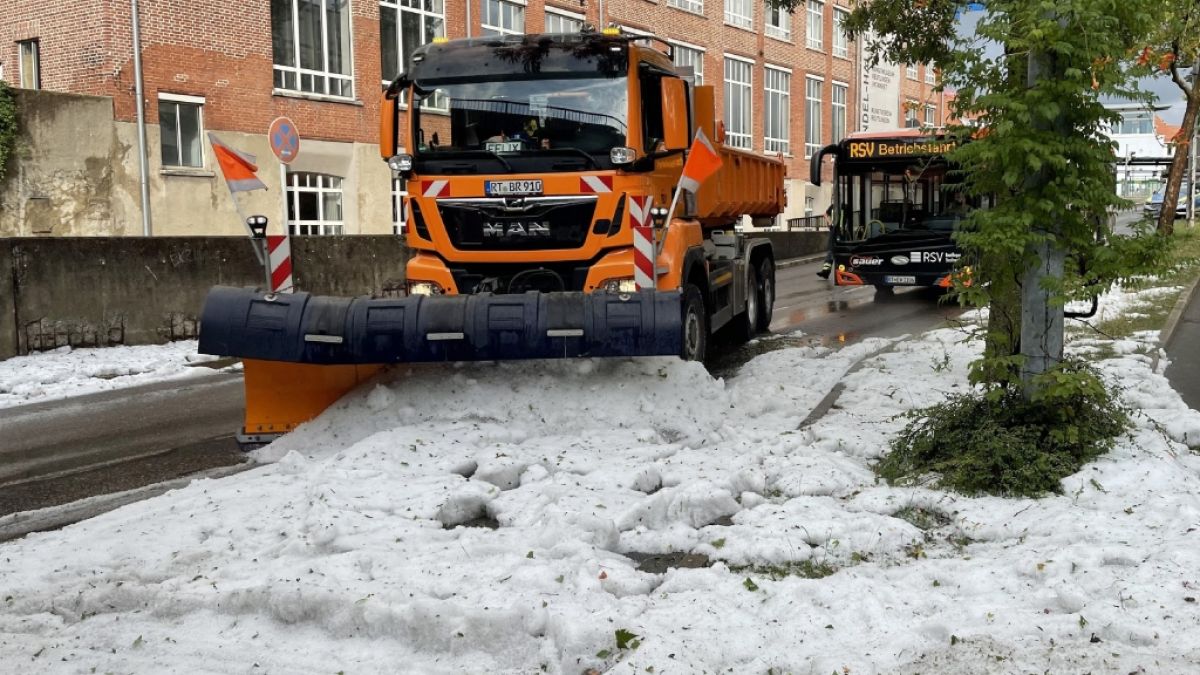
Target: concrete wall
{"type": "Point", "coordinates": [789, 245]}
{"type": "Point", "coordinates": [109, 291]}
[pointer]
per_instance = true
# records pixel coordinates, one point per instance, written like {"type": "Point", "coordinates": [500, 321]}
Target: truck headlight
{"type": "Point", "coordinates": [620, 286]}
{"type": "Point", "coordinates": [424, 288]}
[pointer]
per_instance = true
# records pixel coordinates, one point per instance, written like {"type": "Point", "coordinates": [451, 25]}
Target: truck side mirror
{"type": "Point", "coordinates": [675, 114]}
{"type": "Point", "coordinates": [389, 125]}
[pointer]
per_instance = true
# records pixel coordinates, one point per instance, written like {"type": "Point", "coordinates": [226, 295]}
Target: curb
{"type": "Point", "coordinates": [1168, 330]}
{"type": "Point", "coordinates": [792, 262]}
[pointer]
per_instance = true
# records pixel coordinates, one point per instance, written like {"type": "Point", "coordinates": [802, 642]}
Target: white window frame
{"type": "Point", "coordinates": [910, 114]}
{"type": "Point", "coordinates": [325, 76]}
{"type": "Point", "coordinates": [839, 111]}
{"type": "Point", "coordinates": [321, 226]}
{"type": "Point", "coordinates": [565, 16]}
{"type": "Point", "coordinates": [32, 49]}
{"type": "Point", "coordinates": [841, 41]}
{"type": "Point", "coordinates": [493, 29]}
{"type": "Point", "coordinates": [910, 71]}
{"type": "Point", "coordinates": [740, 13]}
{"type": "Point", "coordinates": [930, 74]}
{"type": "Point", "coordinates": [781, 30]}
{"type": "Point", "coordinates": [697, 65]}
{"type": "Point", "coordinates": [814, 37]}
{"type": "Point", "coordinates": [812, 115]}
{"type": "Point", "coordinates": [400, 7]}
{"type": "Point", "coordinates": [930, 115]}
{"type": "Point", "coordinates": [777, 101]}
{"type": "Point", "coordinates": [693, 6]}
{"type": "Point", "coordinates": [740, 138]}
{"type": "Point", "coordinates": [185, 99]}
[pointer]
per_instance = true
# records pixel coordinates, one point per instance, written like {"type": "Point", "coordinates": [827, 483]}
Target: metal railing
{"type": "Point", "coordinates": [806, 224]}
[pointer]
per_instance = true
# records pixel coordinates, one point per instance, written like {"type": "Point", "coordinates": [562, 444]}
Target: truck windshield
{"type": "Point", "coordinates": [523, 124]}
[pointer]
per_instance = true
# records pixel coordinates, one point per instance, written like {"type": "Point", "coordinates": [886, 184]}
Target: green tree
{"type": "Point", "coordinates": [1175, 40]}
{"type": "Point", "coordinates": [1031, 79]}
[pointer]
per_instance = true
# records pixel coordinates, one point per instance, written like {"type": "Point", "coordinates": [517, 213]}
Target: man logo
{"type": "Point", "coordinates": [899, 260]}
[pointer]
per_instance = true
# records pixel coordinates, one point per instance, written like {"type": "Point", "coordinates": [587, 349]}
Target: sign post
{"type": "Point", "coordinates": [285, 143]}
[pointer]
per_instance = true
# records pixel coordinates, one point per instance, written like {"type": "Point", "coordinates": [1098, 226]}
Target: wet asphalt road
{"type": "Point", "coordinates": [148, 434]}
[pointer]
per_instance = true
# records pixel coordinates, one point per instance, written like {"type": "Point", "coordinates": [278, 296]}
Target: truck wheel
{"type": "Point", "coordinates": [766, 295]}
{"type": "Point", "coordinates": [745, 325]}
{"type": "Point", "coordinates": [695, 325]}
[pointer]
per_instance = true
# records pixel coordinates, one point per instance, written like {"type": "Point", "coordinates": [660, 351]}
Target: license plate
{"type": "Point", "coordinates": [504, 146]}
{"type": "Point", "coordinates": [502, 188]}
{"type": "Point", "coordinates": [900, 280]}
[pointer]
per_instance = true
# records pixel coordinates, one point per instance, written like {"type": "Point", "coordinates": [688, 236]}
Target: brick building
{"type": "Point", "coordinates": [786, 84]}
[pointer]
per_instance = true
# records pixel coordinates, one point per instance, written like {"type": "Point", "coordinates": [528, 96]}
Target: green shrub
{"type": "Point", "coordinates": [996, 442]}
{"type": "Point", "coordinates": [8, 125]}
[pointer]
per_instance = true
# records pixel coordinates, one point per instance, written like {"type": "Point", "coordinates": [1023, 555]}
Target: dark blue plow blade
{"type": "Point", "coordinates": [304, 328]}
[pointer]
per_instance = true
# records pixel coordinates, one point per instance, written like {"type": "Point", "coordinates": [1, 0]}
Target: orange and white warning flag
{"type": "Point", "coordinates": [237, 167]}
{"type": "Point", "coordinates": [702, 162]}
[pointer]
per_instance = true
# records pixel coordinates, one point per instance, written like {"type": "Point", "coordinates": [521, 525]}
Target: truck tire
{"type": "Point", "coordinates": [745, 325]}
{"type": "Point", "coordinates": [695, 325]}
{"type": "Point", "coordinates": [765, 288]}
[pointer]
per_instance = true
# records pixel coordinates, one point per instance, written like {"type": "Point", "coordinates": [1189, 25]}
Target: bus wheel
{"type": "Point", "coordinates": [695, 325]}
{"type": "Point", "coordinates": [766, 295]}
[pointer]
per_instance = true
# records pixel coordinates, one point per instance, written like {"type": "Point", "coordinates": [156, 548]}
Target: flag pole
{"type": "Point", "coordinates": [658, 242]}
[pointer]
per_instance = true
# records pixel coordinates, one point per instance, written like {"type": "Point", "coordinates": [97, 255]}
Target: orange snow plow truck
{"type": "Point", "coordinates": [540, 170]}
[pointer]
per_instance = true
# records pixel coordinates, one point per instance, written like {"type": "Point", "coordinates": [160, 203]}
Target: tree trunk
{"type": "Point", "coordinates": [1166, 217]}
{"type": "Point", "coordinates": [1002, 341]}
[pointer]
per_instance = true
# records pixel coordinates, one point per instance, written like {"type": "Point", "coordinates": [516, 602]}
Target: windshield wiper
{"type": "Point", "coordinates": [585, 154]}
{"type": "Point", "coordinates": [447, 154]}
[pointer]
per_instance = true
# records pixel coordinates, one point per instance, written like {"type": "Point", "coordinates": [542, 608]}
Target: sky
{"type": "Point", "coordinates": [1167, 93]}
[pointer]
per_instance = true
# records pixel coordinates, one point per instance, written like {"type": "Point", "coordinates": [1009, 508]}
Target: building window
{"type": "Point", "coordinates": [405, 25]}
{"type": "Point", "coordinates": [1135, 123]}
{"type": "Point", "coordinates": [738, 116]}
{"type": "Point", "coordinates": [739, 13]}
{"type": "Point", "coordinates": [558, 21]}
{"type": "Point", "coordinates": [841, 42]}
{"type": "Point", "coordinates": [910, 114]}
{"type": "Point", "coordinates": [696, 6]}
{"type": "Point", "coordinates": [777, 85]}
{"type": "Point", "coordinates": [399, 199]}
{"type": "Point", "coordinates": [911, 72]}
{"type": "Point", "coordinates": [839, 111]}
{"type": "Point", "coordinates": [779, 23]}
{"type": "Point", "coordinates": [812, 113]}
{"type": "Point", "coordinates": [503, 17]}
{"type": "Point", "coordinates": [816, 25]}
{"type": "Point", "coordinates": [181, 125]}
{"type": "Point", "coordinates": [314, 203]}
{"type": "Point", "coordinates": [311, 44]}
{"type": "Point", "coordinates": [931, 115]}
{"type": "Point", "coordinates": [31, 64]}
{"type": "Point", "coordinates": [930, 74]}
{"type": "Point", "coordinates": [689, 56]}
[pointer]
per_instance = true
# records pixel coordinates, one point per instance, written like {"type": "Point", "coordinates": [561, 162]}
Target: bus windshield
{"type": "Point", "coordinates": [913, 195]}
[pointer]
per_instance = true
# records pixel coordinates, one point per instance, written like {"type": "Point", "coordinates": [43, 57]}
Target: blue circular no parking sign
{"type": "Point", "coordinates": [285, 139]}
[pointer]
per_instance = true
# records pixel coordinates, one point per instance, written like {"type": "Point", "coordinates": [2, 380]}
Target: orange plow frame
{"type": "Point", "coordinates": [310, 389]}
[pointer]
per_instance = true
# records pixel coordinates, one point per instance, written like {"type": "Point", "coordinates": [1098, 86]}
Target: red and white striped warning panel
{"type": "Point", "coordinates": [643, 241]}
{"type": "Point", "coordinates": [279, 250]}
{"type": "Point", "coordinates": [595, 184]}
{"type": "Point", "coordinates": [436, 188]}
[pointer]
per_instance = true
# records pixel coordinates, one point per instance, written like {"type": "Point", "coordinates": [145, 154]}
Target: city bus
{"type": "Point", "coordinates": [895, 208]}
